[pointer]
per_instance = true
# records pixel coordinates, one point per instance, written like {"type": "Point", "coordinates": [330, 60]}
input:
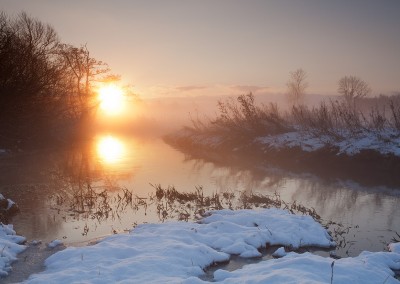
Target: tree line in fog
{"type": "Point", "coordinates": [45, 84]}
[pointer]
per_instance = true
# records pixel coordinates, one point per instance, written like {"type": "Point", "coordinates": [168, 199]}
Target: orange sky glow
{"type": "Point", "coordinates": [195, 48]}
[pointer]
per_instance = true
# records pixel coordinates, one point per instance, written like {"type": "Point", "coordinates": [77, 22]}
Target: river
{"type": "Point", "coordinates": [55, 191]}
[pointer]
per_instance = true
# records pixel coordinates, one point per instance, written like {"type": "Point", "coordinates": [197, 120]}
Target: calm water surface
{"type": "Point", "coordinates": [51, 190]}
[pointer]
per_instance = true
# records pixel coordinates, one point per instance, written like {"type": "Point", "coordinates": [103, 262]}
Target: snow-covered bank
{"type": "Point", "coordinates": [309, 268]}
{"type": "Point", "coordinates": [387, 143]}
{"type": "Point", "coordinates": [348, 157]}
{"type": "Point", "coordinates": [384, 143]}
{"type": "Point", "coordinates": [10, 243]}
{"type": "Point", "coordinates": [10, 246]}
{"type": "Point", "coordinates": [7, 207]}
{"type": "Point", "coordinates": [178, 252]}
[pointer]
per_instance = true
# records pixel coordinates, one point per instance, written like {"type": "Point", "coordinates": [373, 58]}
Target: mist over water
{"type": "Point", "coordinates": [164, 115]}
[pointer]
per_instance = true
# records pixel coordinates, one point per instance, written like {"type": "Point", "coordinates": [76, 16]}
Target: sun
{"type": "Point", "coordinates": [110, 149]}
{"type": "Point", "coordinates": [111, 99]}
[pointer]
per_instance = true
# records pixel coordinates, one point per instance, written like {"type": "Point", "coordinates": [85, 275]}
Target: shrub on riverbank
{"type": "Point", "coordinates": [331, 123]}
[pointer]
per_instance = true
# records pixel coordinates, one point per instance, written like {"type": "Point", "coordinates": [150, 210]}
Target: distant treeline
{"type": "Point", "coordinates": [45, 85]}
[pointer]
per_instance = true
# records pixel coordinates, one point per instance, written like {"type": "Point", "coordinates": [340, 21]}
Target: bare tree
{"type": "Point", "coordinates": [44, 84]}
{"type": "Point", "coordinates": [352, 88]}
{"type": "Point", "coordinates": [27, 51]}
{"type": "Point", "coordinates": [297, 86]}
{"type": "Point", "coordinates": [81, 70]}
{"type": "Point", "coordinates": [28, 76]}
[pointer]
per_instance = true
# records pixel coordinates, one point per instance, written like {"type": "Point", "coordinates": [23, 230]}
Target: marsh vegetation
{"type": "Point", "coordinates": [337, 119]}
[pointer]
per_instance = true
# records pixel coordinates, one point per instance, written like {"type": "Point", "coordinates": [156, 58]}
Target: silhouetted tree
{"type": "Point", "coordinates": [81, 71]}
{"type": "Point", "coordinates": [28, 74]}
{"type": "Point", "coordinates": [44, 85]}
{"type": "Point", "coordinates": [297, 86]}
{"type": "Point", "coordinates": [352, 88]}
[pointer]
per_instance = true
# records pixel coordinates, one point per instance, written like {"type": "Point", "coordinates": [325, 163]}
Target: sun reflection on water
{"type": "Point", "coordinates": [110, 149]}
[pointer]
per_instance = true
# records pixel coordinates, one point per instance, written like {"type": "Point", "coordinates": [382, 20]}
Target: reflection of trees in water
{"type": "Point", "coordinates": [327, 197]}
{"type": "Point", "coordinates": [335, 200]}
{"type": "Point", "coordinates": [235, 178]}
{"type": "Point", "coordinates": [332, 199]}
{"type": "Point", "coordinates": [72, 181]}
{"type": "Point", "coordinates": [250, 173]}
{"type": "Point", "coordinates": [32, 201]}
{"type": "Point", "coordinates": [29, 187]}
{"type": "Point", "coordinates": [86, 191]}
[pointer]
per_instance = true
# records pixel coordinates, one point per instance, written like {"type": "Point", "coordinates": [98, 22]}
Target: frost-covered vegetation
{"type": "Point", "coordinates": [367, 123]}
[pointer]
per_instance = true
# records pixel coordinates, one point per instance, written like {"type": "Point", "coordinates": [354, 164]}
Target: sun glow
{"type": "Point", "coordinates": [111, 99]}
{"type": "Point", "coordinates": [110, 149]}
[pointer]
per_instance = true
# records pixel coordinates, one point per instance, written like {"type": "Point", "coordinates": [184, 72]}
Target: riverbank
{"type": "Point", "coordinates": [366, 158]}
{"type": "Point", "coordinates": [357, 139]}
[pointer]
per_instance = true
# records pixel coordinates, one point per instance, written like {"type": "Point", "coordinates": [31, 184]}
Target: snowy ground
{"type": "Point", "coordinates": [178, 252]}
{"type": "Point", "coordinates": [10, 246]}
{"type": "Point", "coordinates": [385, 143]}
{"type": "Point", "coordinates": [10, 243]}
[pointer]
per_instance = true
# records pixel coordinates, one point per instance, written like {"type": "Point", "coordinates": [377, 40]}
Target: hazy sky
{"type": "Point", "coordinates": [167, 48]}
